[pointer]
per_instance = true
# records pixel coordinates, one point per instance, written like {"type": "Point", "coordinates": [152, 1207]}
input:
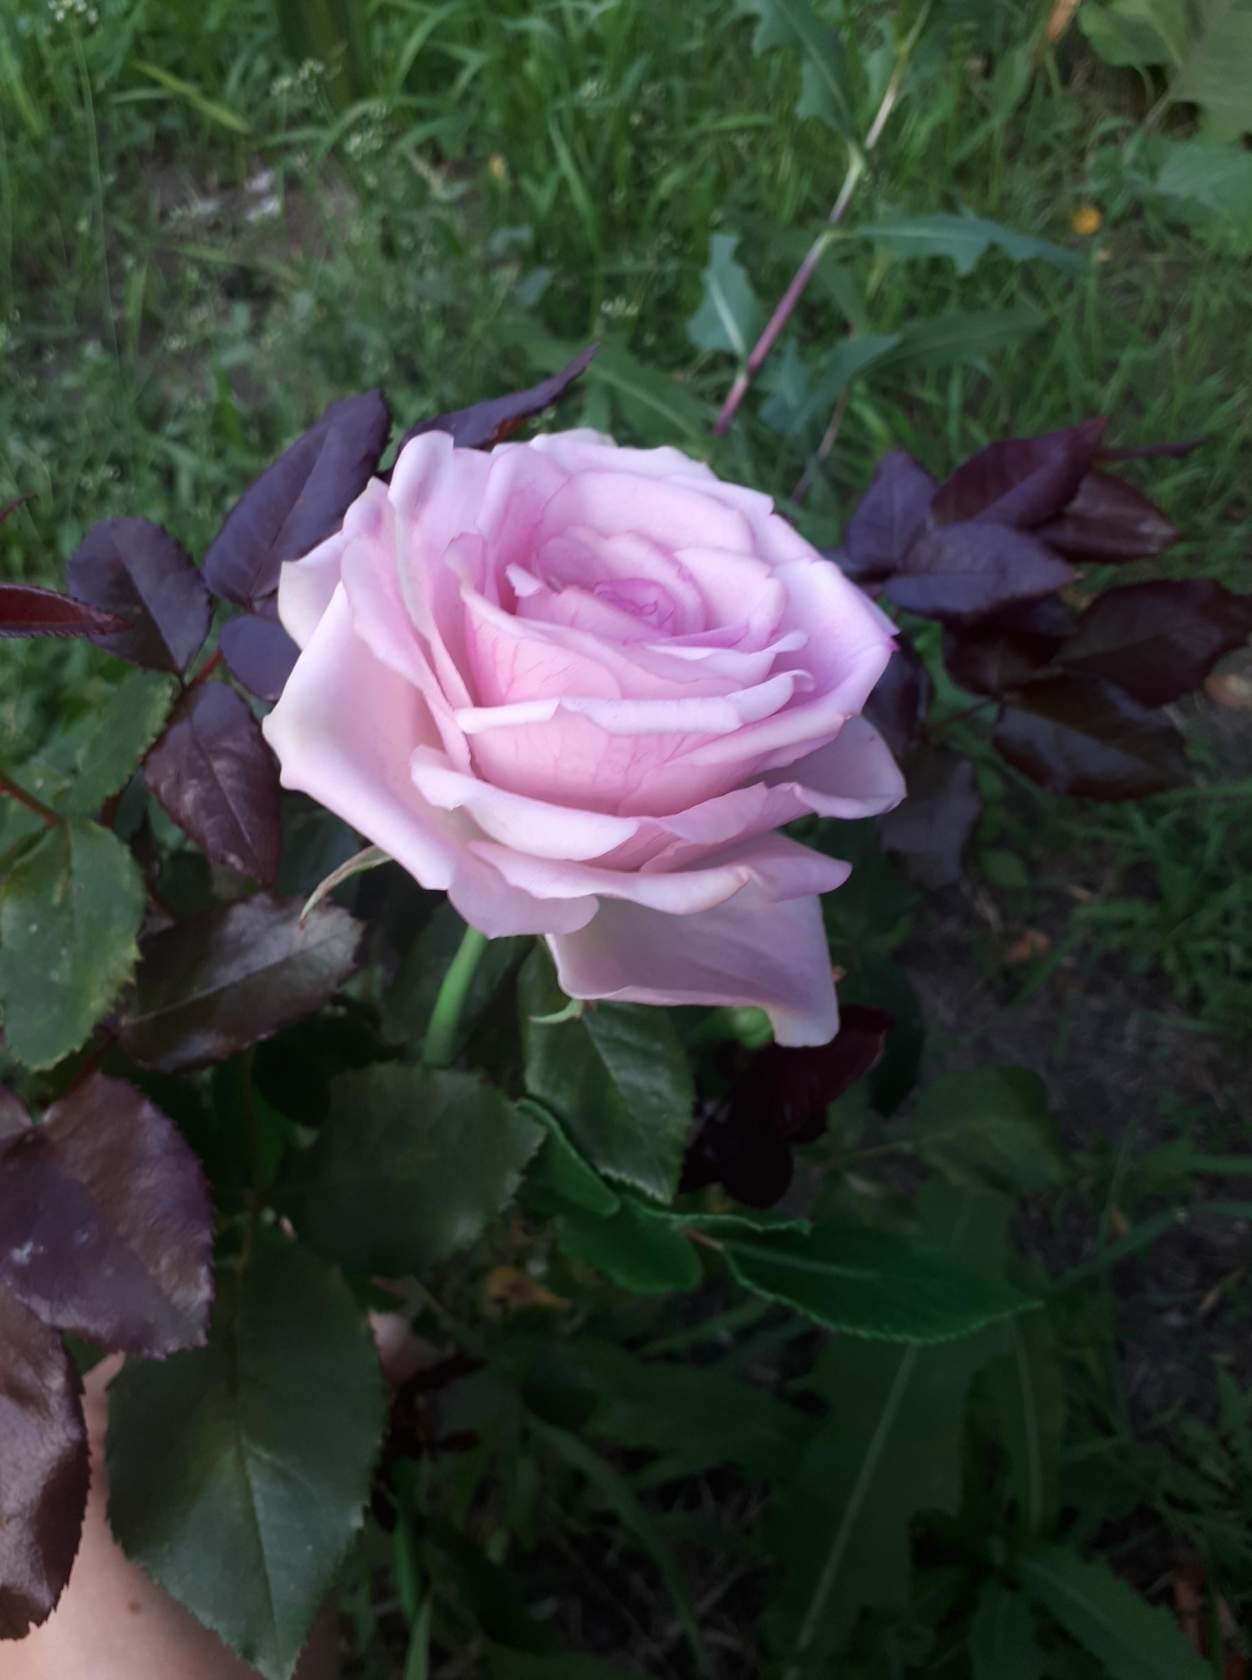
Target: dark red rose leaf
{"type": "Point", "coordinates": [929, 830]}
{"type": "Point", "coordinates": [779, 1100]}
{"type": "Point", "coordinates": [299, 501]}
{"type": "Point", "coordinates": [960, 572]}
{"type": "Point", "coordinates": [135, 570]}
{"type": "Point", "coordinates": [209, 987]}
{"type": "Point", "coordinates": [888, 519]}
{"type": "Point", "coordinates": [1159, 640]}
{"type": "Point", "coordinates": [259, 652]}
{"type": "Point", "coordinates": [13, 1115]}
{"type": "Point", "coordinates": [1020, 481]}
{"type": "Point", "coordinates": [43, 1468]}
{"type": "Point", "coordinates": [899, 702]}
{"type": "Point", "coordinates": [489, 422]}
{"type": "Point", "coordinates": [1081, 736]}
{"type": "Point", "coordinates": [999, 654]}
{"type": "Point", "coordinates": [106, 1228]}
{"type": "Point", "coordinates": [1109, 521]}
{"type": "Point", "coordinates": [216, 778]}
{"type": "Point", "coordinates": [27, 610]}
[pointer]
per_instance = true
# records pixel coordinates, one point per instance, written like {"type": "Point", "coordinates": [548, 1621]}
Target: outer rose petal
{"type": "Point", "coordinates": [852, 776]}
{"type": "Point", "coordinates": [305, 587]}
{"type": "Point", "coordinates": [353, 758]}
{"type": "Point", "coordinates": [528, 825]}
{"type": "Point", "coordinates": [746, 951]}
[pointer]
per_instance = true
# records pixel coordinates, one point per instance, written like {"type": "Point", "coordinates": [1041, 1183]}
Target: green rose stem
{"type": "Point", "coordinates": [28, 799]}
{"type": "Point", "coordinates": [440, 1045]}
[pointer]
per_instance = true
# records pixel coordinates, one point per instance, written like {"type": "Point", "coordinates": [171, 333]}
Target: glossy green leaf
{"type": "Point", "coordinates": [1002, 1643]}
{"type": "Point", "coordinates": [889, 1450]}
{"type": "Point", "coordinates": [730, 315]}
{"type": "Point", "coordinates": [869, 1283]}
{"type": "Point", "coordinates": [1132, 1639]}
{"type": "Point", "coordinates": [824, 91]}
{"type": "Point", "coordinates": [239, 1472]}
{"type": "Point", "coordinates": [641, 1253]}
{"type": "Point", "coordinates": [69, 913]}
{"type": "Point", "coordinates": [991, 1123]}
{"type": "Point", "coordinates": [409, 1166]}
{"type": "Point", "coordinates": [410, 997]}
{"type": "Point", "coordinates": [617, 1078]}
{"type": "Point", "coordinates": [965, 239]}
{"type": "Point", "coordinates": [559, 1172]}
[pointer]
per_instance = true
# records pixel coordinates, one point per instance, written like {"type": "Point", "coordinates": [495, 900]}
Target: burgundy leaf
{"type": "Point", "coordinates": [1019, 481]}
{"type": "Point", "coordinates": [488, 422]}
{"type": "Point", "coordinates": [889, 517]}
{"type": "Point", "coordinates": [898, 703]}
{"type": "Point", "coordinates": [43, 1468]}
{"type": "Point", "coordinates": [1079, 735]}
{"type": "Point", "coordinates": [780, 1100]}
{"type": "Point", "coordinates": [1159, 640]}
{"type": "Point", "coordinates": [13, 1115]}
{"type": "Point", "coordinates": [998, 654]}
{"type": "Point", "coordinates": [1107, 521]}
{"type": "Point", "coordinates": [929, 830]}
{"type": "Point", "coordinates": [259, 653]}
{"type": "Point", "coordinates": [213, 985]}
{"type": "Point", "coordinates": [217, 779]}
{"type": "Point", "coordinates": [134, 569]}
{"type": "Point", "coordinates": [299, 500]}
{"type": "Point", "coordinates": [27, 610]}
{"type": "Point", "coordinates": [106, 1228]}
{"type": "Point", "coordinates": [960, 572]}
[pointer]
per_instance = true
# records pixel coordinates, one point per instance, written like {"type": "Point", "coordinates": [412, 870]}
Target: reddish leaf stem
{"type": "Point", "coordinates": [800, 280]}
{"type": "Point", "coordinates": [39, 809]}
{"type": "Point", "coordinates": [205, 671]}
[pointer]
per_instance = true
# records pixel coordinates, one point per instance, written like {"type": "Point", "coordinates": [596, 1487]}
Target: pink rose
{"type": "Point", "coordinates": [581, 688]}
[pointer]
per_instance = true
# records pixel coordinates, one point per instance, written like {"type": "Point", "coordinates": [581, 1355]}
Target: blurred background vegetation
{"type": "Point", "coordinates": [217, 215]}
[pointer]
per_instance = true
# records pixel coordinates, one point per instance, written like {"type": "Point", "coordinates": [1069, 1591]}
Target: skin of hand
{"type": "Point", "coordinates": [114, 1623]}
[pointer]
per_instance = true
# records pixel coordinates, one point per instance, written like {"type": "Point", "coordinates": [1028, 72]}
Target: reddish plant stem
{"type": "Point", "coordinates": [800, 280]}
{"type": "Point", "coordinates": [36, 806]}
{"type": "Point", "coordinates": [205, 671]}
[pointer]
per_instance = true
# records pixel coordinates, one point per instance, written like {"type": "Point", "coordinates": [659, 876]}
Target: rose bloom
{"type": "Point", "coordinates": [581, 688]}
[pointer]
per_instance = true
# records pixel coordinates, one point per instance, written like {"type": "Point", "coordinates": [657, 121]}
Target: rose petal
{"type": "Point", "coordinates": [744, 952]}
{"type": "Point", "coordinates": [305, 587]}
{"type": "Point", "coordinates": [714, 714]}
{"type": "Point", "coordinates": [852, 776]}
{"type": "Point", "coordinates": [670, 514]}
{"type": "Point", "coordinates": [532, 826]}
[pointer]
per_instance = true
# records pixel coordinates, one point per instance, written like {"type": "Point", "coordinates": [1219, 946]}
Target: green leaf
{"type": "Point", "coordinates": [868, 1283]}
{"type": "Point", "coordinates": [1129, 1637]}
{"type": "Point", "coordinates": [639, 1252]}
{"type": "Point", "coordinates": [559, 1172]}
{"type": "Point", "coordinates": [1133, 34]}
{"type": "Point", "coordinates": [652, 402]}
{"type": "Point", "coordinates": [238, 1472]}
{"type": "Point", "coordinates": [991, 1123]}
{"type": "Point", "coordinates": [409, 999]}
{"type": "Point", "coordinates": [69, 913]}
{"type": "Point", "coordinates": [890, 1449]}
{"type": "Point", "coordinates": [961, 335]}
{"type": "Point", "coordinates": [1002, 1642]}
{"type": "Point", "coordinates": [617, 1078]}
{"type": "Point", "coordinates": [408, 1167]}
{"type": "Point", "coordinates": [850, 358]}
{"type": "Point", "coordinates": [1026, 1394]}
{"type": "Point", "coordinates": [729, 318]}
{"type": "Point", "coordinates": [824, 89]}
{"type": "Point", "coordinates": [1211, 179]}
{"type": "Point", "coordinates": [696, 1415]}
{"type": "Point", "coordinates": [966, 239]}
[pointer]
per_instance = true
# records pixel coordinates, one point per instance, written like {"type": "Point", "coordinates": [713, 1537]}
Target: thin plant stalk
{"type": "Point", "coordinates": [440, 1045]}
{"type": "Point", "coordinates": [857, 166]}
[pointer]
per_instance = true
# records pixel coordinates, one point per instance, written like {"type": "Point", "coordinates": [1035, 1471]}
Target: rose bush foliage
{"type": "Point", "coordinates": [582, 688]}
